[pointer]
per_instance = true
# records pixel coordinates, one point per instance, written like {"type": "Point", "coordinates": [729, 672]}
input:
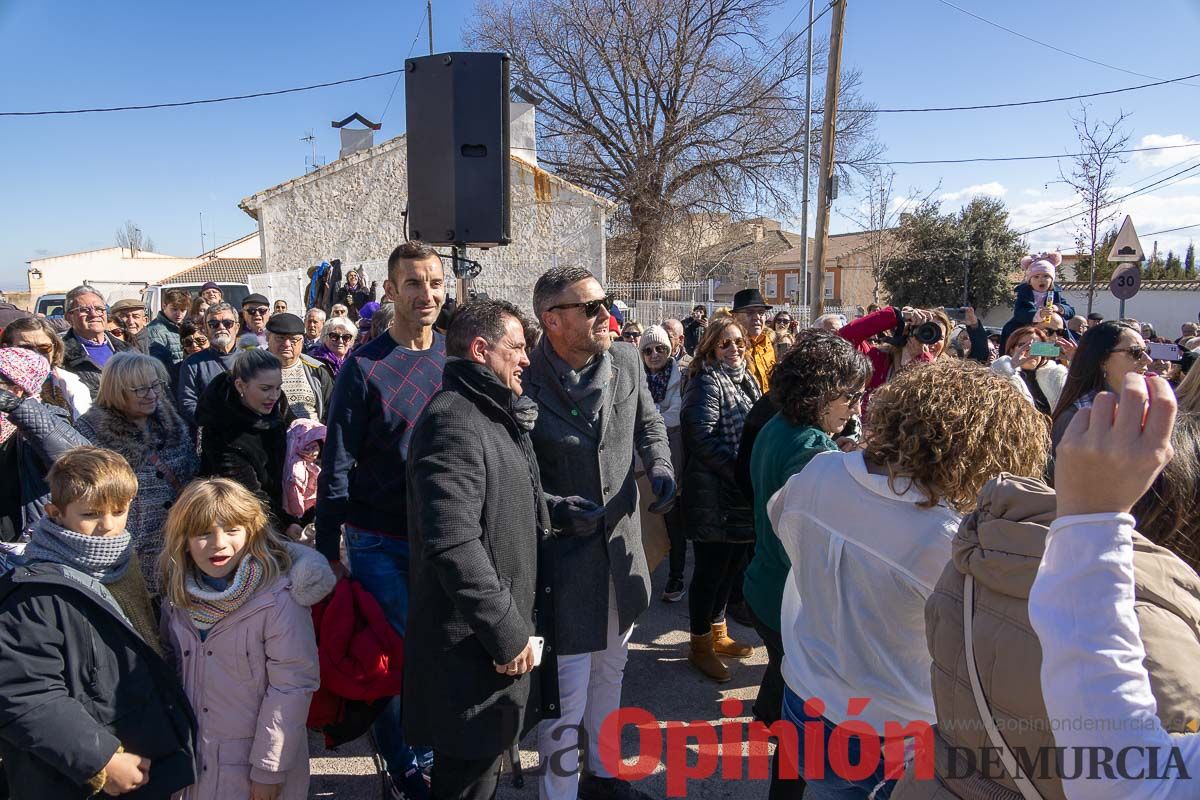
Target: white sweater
{"type": "Point", "coordinates": [1097, 690]}
{"type": "Point", "coordinates": [864, 561]}
{"type": "Point", "coordinates": [1051, 377]}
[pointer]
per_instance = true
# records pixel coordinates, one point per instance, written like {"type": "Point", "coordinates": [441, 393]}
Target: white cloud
{"type": "Point", "coordinates": [1031, 193]}
{"type": "Point", "coordinates": [993, 189]}
{"type": "Point", "coordinates": [1159, 159]}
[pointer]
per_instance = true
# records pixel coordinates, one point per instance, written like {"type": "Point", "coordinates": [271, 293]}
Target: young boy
{"type": "Point", "coordinates": [87, 704]}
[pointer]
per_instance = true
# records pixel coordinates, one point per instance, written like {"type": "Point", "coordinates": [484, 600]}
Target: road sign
{"type": "Point", "coordinates": [1126, 247]}
{"type": "Point", "coordinates": [1126, 281]}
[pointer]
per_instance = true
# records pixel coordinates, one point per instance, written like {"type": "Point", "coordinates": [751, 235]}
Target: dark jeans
{"type": "Point", "coordinates": [768, 706]}
{"type": "Point", "coordinates": [715, 567]}
{"type": "Point", "coordinates": [833, 786]}
{"type": "Point", "coordinates": [380, 564]}
{"type": "Point", "coordinates": [465, 778]}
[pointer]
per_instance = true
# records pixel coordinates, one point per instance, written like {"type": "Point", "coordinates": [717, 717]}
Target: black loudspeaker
{"type": "Point", "coordinates": [458, 164]}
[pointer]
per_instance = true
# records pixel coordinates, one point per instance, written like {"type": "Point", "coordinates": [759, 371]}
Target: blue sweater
{"type": "Point", "coordinates": [380, 391]}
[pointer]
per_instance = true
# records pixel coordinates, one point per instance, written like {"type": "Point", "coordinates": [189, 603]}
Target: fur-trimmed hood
{"type": "Point", "coordinates": [111, 429]}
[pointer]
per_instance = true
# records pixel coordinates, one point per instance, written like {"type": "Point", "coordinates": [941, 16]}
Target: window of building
{"type": "Point", "coordinates": [828, 285]}
{"type": "Point", "coordinates": [791, 286]}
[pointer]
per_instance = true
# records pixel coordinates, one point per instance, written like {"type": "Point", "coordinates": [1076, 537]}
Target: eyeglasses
{"type": "Point", "coordinates": [227, 324]}
{"type": "Point", "coordinates": [292, 340]}
{"type": "Point", "coordinates": [590, 308]}
{"type": "Point", "coordinates": [631, 335]}
{"type": "Point", "coordinates": [341, 337]}
{"type": "Point", "coordinates": [256, 311]}
{"type": "Point", "coordinates": [740, 344]}
{"type": "Point", "coordinates": [44, 349]}
{"type": "Point", "coordinates": [143, 392]}
{"type": "Point", "coordinates": [197, 341]}
{"type": "Point", "coordinates": [90, 309]}
{"type": "Point", "coordinates": [1135, 352]}
{"type": "Point", "coordinates": [661, 349]}
{"type": "Point", "coordinates": [853, 398]}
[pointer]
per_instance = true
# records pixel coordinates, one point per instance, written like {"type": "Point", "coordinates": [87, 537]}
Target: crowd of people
{"type": "Point", "coordinates": [226, 525]}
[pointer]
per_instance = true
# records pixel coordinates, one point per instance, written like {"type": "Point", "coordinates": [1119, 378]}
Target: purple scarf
{"type": "Point", "coordinates": [326, 356]}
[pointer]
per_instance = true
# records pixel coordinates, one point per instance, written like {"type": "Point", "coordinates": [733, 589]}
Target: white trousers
{"type": "Point", "coordinates": [589, 688]}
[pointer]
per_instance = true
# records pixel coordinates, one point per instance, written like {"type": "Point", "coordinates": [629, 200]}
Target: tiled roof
{"type": "Point", "coordinates": [220, 270]}
{"type": "Point", "coordinates": [1161, 286]}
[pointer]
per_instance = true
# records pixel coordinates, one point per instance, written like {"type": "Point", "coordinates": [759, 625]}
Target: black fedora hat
{"type": "Point", "coordinates": [748, 298]}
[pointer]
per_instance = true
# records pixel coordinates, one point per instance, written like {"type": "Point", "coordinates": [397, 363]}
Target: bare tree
{"type": "Point", "coordinates": [670, 106]}
{"type": "Point", "coordinates": [878, 217]}
{"type": "Point", "coordinates": [1092, 175]}
{"type": "Point", "coordinates": [130, 236]}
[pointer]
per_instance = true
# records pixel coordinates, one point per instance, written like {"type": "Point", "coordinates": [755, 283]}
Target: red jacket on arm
{"type": "Point", "coordinates": [864, 328]}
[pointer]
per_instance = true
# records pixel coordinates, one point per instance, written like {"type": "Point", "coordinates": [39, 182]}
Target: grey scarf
{"type": "Point", "coordinates": [586, 386]}
{"type": "Point", "coordinates": [738, 394]}
{"type": "Point", "coordinates": [104, 558]}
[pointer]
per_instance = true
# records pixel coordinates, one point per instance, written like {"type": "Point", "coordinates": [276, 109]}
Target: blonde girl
{"type": "Point", "coordinates": [237, 623]}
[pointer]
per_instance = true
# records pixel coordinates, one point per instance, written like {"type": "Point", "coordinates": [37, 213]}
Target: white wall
{"type": "Point", "coordinates": [1165, 310]}
{"type": "Point", "coordinates": [63, 273]}
{"type": "Point", "coordinates": [354, 211]}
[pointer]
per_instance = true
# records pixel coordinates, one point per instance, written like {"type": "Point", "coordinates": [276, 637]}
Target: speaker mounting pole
{"type": "Point", "coordinates": [461, 285]}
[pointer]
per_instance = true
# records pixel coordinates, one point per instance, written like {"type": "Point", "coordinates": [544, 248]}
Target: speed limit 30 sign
{"type": "Point", "coordinates": [1126, 281]}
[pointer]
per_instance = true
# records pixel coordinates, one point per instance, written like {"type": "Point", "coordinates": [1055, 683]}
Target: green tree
{"type": "Point", "coordinates": [1189, 262]}
{"type": "Point", "coordinates": [1174, 267]}
{"type": "Point", "coordinates": [1104, 268]}
{"type": "Point", "coordinates": [939, 253]}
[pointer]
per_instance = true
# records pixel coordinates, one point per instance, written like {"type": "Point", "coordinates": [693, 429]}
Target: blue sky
{"type": "Point", "coordinates": [70, 181]}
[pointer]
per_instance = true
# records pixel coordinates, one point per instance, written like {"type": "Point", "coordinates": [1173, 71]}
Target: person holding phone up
{"type": "Point", "coordinates": [1030, 365]}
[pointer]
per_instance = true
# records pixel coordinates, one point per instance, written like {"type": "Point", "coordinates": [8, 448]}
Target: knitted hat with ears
{"type": "Point", "coordinates": [1041, 264]}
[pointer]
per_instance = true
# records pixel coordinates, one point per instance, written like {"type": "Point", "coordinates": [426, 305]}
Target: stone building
{"type": "Point", "coordinates": [353, 209]}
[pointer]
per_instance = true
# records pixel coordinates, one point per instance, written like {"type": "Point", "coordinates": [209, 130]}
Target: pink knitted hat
{"type": "Point", "coordinates": [1042, 264]}
{"type": "Point", "coordinates": [24, 368]}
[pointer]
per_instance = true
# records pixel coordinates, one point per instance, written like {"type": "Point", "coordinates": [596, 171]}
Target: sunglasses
{"type": "Point", "coordinates": [740, 344]}
{"type": "Point", "coordinates": [257, 311]}
{"type": "Point", "coordinates": [1135, 352]}
{"type": "Point", "coordinates": [1054, 332]}
{"type": "Point", "coordinates": [227, 324]}
{"type": "Point", "coordinates": [783, 322]}
{"type": "Point", "coordinates": [341, 337]}
{"type": "Point", "coordinates": [853, 398]}
{"type": "Point", "coordinates": [198, 341]}
{"type": "Point", "coordinates": [590, 309]}
{"type": "Point", "coordinates": [44, 349]}
{"type": "Point", "coordinates": [661, 349]}
{"type": "Point", "coordinates": [631, 335]}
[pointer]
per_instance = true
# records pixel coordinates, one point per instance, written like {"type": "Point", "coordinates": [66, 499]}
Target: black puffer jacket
{"type": "Point", "coordinates": [239, 444]}
{"type": "Point", "coordinates": [717, 510]}
{"type": "Point", "coordinates": [79, 681]}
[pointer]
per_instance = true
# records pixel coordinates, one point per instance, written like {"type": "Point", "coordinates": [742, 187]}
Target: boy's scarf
{"type": "Point", "coordinates": [210, 606]}
{"type": "Point", "coordinates": [104, 558]}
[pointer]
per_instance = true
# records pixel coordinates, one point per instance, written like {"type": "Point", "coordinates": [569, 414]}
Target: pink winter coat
{"type": "Point", "coordinates": [300, 476]}
{"type": "Point", "coordinates": [250, 683]}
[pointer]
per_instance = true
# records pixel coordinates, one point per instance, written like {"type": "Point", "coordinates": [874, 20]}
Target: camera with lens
{"type": "Point", "coordinates": [927, 333]}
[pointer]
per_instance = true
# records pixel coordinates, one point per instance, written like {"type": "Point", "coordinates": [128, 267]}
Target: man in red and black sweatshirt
{"type": "Point", "coordinates": [380, 391]}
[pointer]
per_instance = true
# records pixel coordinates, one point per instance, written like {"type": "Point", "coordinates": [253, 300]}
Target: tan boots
{"type": "Point", "coordinates": [726, 646]}
{"type": "Point", "coordinates": [702, 657]}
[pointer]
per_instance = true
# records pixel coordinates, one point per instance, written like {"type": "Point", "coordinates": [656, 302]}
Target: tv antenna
{"type": "Point", "coordinates": [312, 162]}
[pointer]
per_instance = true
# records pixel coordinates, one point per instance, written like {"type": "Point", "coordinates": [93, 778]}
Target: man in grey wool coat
{"type": "Point", "coordinates": [594, 413]}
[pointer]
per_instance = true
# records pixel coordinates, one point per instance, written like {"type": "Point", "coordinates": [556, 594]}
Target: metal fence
{"type": "Point", "coordinates": [651, 303]}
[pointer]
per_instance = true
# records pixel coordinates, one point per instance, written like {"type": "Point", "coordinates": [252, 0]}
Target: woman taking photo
{"type": "Point", "coordinates": [62, 388]}
{"type": "Point", "coordinates": [868, 533]}
{"type": "Point", "coordinates": [337, 340]}
{"type": "Point", "coordinates": [244, 417]}
{"type": "Point", "coordinates": [720, 521]}
{"type": "Point", "coordinates": [1106, 354]}
{"type": "Point", "coordinates": [1038, 378]}
{"type": "Point", "coordinates": [817, 386]}
{"type": "Point", "coordinates": [132, 416]}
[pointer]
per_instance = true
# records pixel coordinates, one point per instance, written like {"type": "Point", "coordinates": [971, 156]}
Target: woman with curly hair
{"type": "Point", "coordinates": [868, 534]}
{"type": "Point", "coordinates": [817, 387]}
{"type": "Point", "coordinates": [720, 521]}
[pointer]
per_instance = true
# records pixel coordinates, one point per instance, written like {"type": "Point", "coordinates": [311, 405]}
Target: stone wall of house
{"type": "Point", "coordinates": [354, 211]}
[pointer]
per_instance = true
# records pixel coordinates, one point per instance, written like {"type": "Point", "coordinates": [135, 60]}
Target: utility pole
{"type": "Point", "coordinates": [807, 159]}
{"type": "Point", "coordinates": [429, 16]}
{"type": "Point", "coordinates": [833, 82]}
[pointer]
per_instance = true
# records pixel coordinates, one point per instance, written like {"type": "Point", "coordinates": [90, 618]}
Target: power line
{"type": "Point", "coordinates": [1019, 158]}
{"type": "Point", "coordinates": [200, 102]}
{"type": "Point", "coordinates": [1047, 45]}
{"type": "Point", "coordinates": [1172, 230]}
{"type": "Point", "coordinates": [1116, 200]}
{"type": "Point", "coordinates": [406, 58]}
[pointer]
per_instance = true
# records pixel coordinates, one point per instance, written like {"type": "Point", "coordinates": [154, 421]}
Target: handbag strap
{"type": "Point", "coordinates": [1024, 785]}
{"type": "Point", "coordinates": [167, 472]}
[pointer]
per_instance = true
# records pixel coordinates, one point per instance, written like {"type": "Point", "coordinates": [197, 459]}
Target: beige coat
{"type": "Point", "coordinates": [1001, 546]}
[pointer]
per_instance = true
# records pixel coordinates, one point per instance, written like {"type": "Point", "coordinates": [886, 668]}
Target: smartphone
{"type": "Point", "coordinates": [1163, 352]}
{"type": "Point", "coordinates": [956, 314]}
{"type": "Point", "coordinates": [539, 644]}
{"type": "Point", "coordinates": [1045, 350]}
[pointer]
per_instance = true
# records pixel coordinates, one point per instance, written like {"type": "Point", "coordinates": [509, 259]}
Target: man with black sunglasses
{"type": "Point", "coordinates": [256, 310]}
{"type": "Point", "coordinates": [198, 369]}
{"type": "Point", "coordinates": [595, 411]}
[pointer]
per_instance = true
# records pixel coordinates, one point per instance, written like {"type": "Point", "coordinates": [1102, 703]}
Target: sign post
{"type": "Point", "coordinates": [1127, 251]}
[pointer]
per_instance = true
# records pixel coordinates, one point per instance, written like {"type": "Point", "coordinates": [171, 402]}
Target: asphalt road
{"type": "Point", "coordinates": [657, 679]}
